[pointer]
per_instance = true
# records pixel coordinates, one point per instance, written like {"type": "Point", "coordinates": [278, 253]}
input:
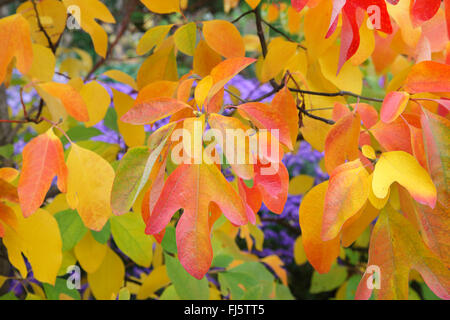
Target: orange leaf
{"type": "Point", "coordinates": [393, 105]}
{"type": "Point", "coordinates": [272, 181]}
{"type": "Point", "coordinates": [15, 42]}
{"type": "Point", "coordinates": [225, 71]}
{"type": "Point", "coordinates": [428, 76]}
{"type": "Point", "coordinates": [69, 97]}
{"type": "Point", "coordinates": [341, 143]}
{"type": "Point", "coordinates": [223, 37]}
{"type": "Point", "coordinates": [395, 248]}
{"type": "Point", "coordinates": [284, 103]}
{"type": "Point", "coordinates": [321, 254]}
{"type": "Point", "coordinates": [43, 159]}
{"type": "Point", "coordinates": [347, 193]}
{"type": "Point", "coordinates": [151, 110]}
{"type": "Point", "coordinates": [265, 117]}
{"type": "Point", "coordinates": [193, 187]}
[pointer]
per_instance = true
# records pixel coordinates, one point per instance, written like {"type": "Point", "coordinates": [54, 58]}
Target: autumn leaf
{"type": "Point", "coordinates": [61, 98]}
{"type": "Point", "coordinates": [428, 76]}
{"type": "Point", "coordinates": [182, 190]}
{"type": "Point", "coordinates": [224, 37]}
{"type": "Point", "coordinates": [89, 185]}
{"type": "Point", "coordinates": [162, 6]}
{"type": "Point", "coordinates": [347, 192]}
{"type": "Point", "coordinates": [43, 159]}
{"type": "Point", "coordinates": [38, 238]}
{"type": "Point", "coordinates": [341, 143]}
{"type": "Point", "coordinates": [89, 12]}
{"type": "Point", "coordinates": [396, 248]}
{"type": "Point", "coordinates": [134, 171]}
{"type": "Point", "coordinates": [15, 42]}
{"type": "Point", "coordinates": [264, 117]}
{"type": "Point", "coordinates": [272, 181]}
{"type": "Point", "coordinates": [393, 105]}
{"type": "Point", "coordinates": [401, 167]}
{"type": "Point", "coordinates": [350, 38]}
{"type": "Point", "coordinates": [53, 16]}
{"type": "Point", "coordinates": [321, 254]}
{"type": "Point", "coordinates": [151, 110]}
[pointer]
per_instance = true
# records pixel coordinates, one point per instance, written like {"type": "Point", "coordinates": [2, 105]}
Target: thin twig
{"type": "Point", "coordinates": [41, 27]}
{"type": "Point", "coordinates": [242, 15]}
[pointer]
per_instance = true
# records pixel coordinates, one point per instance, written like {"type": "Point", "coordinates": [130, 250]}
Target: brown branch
{"type": "Point", "coordinates": [242, 15]}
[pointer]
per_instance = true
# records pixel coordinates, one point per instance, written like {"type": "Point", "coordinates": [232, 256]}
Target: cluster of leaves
{"type": "Point", "coordinates": [387, 162]}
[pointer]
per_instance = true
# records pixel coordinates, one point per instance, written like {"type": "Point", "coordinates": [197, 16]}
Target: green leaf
{"type": "Point", "coordinates": [283, 293]}
{"type": "Point", "coordinates": [71, 228]}
{"type": "Point", "coordinates": [53, 292]}
{"type": "Point", "coordinates": [169, 294]}
{"type": "Point", "coordinates": [7, 151]}
{"type": "Point", "coordinates": [128, 231]}
{"type": "Point", "coordinates": [103, 235]}
{"type": "Point", "coordinates": [80, 133]}
{"type": "Point", "coordinates": [8, 296]}
{"type": "Point", "coordinates": [110, 120]}
{"type": "Point", "coordinates": [253, 276]}
{"type": "Point", "coordinates": [134, 171]}
{"type": "Point", "coordinates": [328, 281]}
{"type": "Point", "coordinates": [124, 294]}
{"type": "Point", "coordinates": [186, 286]}
{"type": "Point", "coordinates": [169, 242]}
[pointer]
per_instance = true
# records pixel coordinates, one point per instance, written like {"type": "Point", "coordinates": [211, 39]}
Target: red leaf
{"type": "Point", "coordinates": [43, 159]}
{"type": "Point", "coordinates": [423, 10]}
{"type": "Point", "coordinates": [193, 188]}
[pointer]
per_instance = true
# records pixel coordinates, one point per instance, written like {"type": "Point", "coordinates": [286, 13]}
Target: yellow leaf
{"type": "Point", "coordinates": [156, 280]}
{"type": "Point", "coordinates": [299, 252]}
{"type": "Point", "coordinates": [161, 65]}
{"type": "Point", "coordinates": [317, 21]}
{"type": "Point", "coordinates": [121, 77]}
{"type": "Point", "coordinates": [205, 59]}
{"type": "Point", "coordinates": [278, 54]}
{"type": "Point", "coordinates": [202, 90]}
{"type": "Point", "coordinates": [106, 282]}
{"type": "Point", "coordinates": [90, 11]}
{"type": "Point", "coordinates": [97, 100]}
{"type": "Point", "coordinates": [315, 131]}
{"type": "Point", "coordinates": [321, 254]}
{"type": "Point", "coordinates": [39, 239]}
{"type": "Point", "coordinates": [58, 204]}
{"type": "Point", "coordinates": [89, 186]}
{"type": "Point", "coordinates": [162, 6]}
{"type": "Point", "coordinates": [349, 77]}
{"type": "Point", "coordinates": [376, 202]}
{"type": "Point", "coordinates": [186, 38]}
{"type": "Point", "coordinates": [43, 66]}
{"type": "Point", "coordinates": [347, 193]}
{"type": "Point", "coordinates": [132, 135]}
{"type": "Point", "coordinates": [151, 38]}
{"type": "Point", "coordinates": [401, 167]}
{"type": "Point", "coordinates": [300, 184]}
{"type": "Point", "coordinates": [90, 253]}
{"type": "Point", "coordinates": [366, 46]}
{"type": "Point", "coordinates": [368, 152]}
{"type": "Point", "coordinates": [52, 14]}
